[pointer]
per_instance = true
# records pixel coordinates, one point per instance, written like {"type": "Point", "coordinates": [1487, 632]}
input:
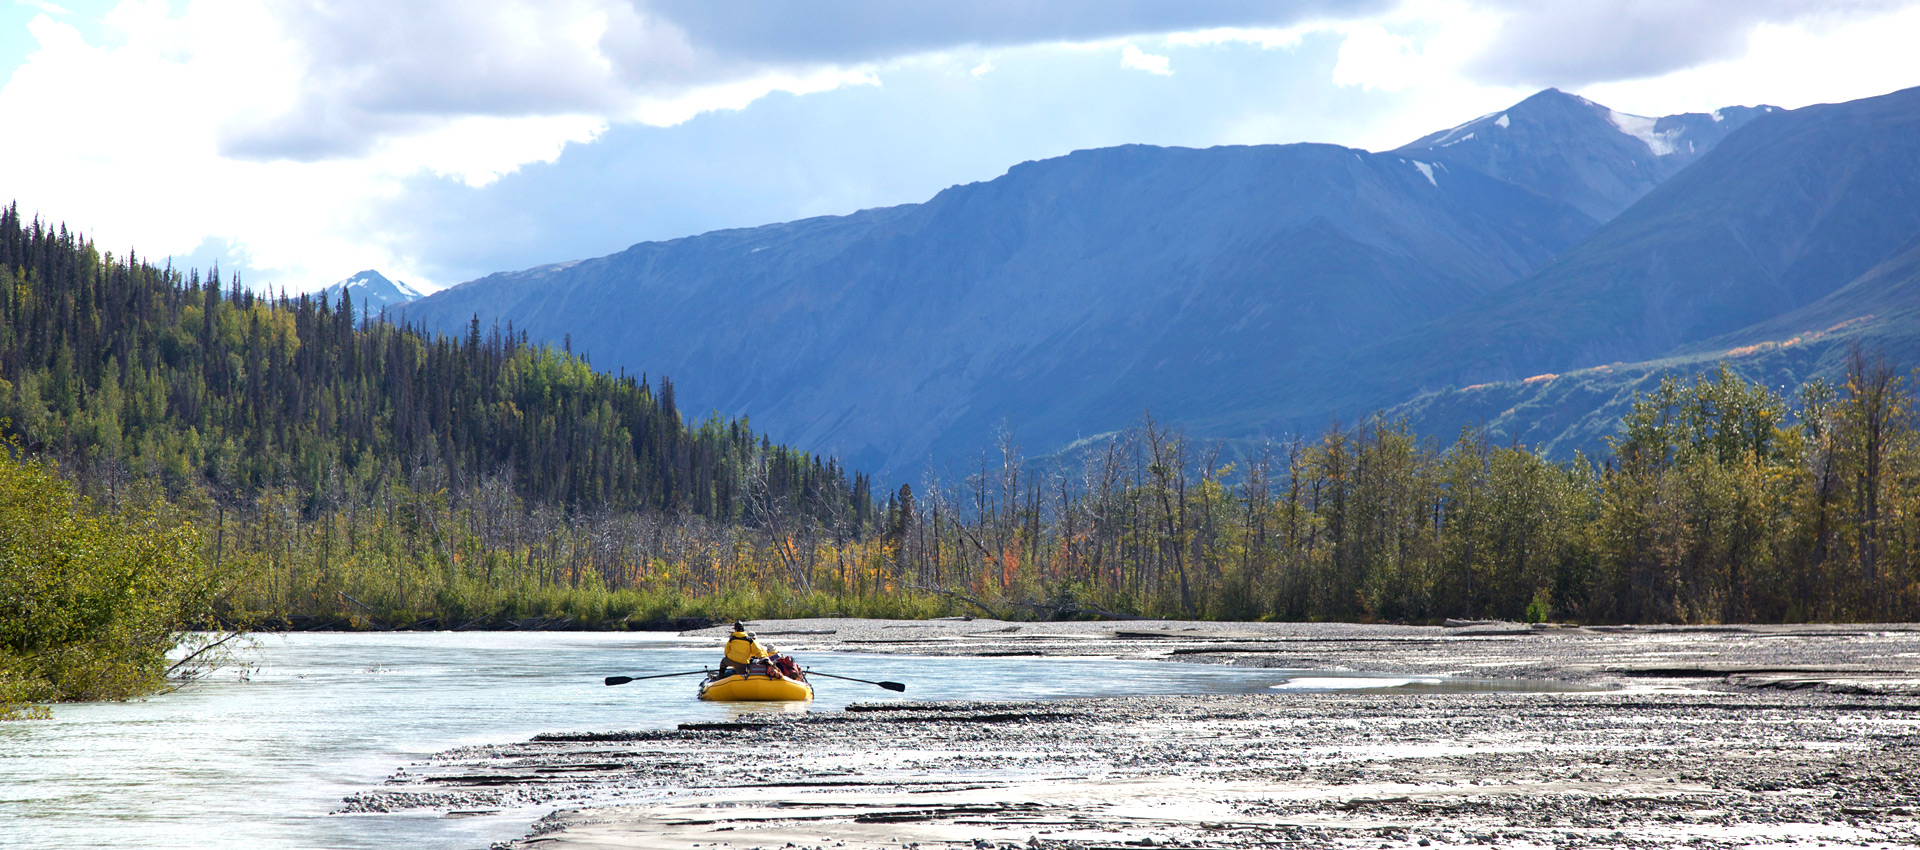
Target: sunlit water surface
{"type": "Point", "coordinates": [259, 757]}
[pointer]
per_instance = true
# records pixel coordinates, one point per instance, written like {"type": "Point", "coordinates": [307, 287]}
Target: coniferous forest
{"type": "Point", "coordinates": [342, 469]}
{"type": "Point", "coordinates": [335, 469]}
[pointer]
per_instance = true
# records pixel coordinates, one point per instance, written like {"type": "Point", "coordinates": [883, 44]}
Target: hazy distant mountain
{"type": "Point", "coordinates": [1241, 290]}
{"type": "Point", "coordinates": [371, 292]}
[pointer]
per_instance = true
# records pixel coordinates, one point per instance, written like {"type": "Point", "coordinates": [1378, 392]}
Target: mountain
{"type": "Point", "coordinates": [1792, 244]}
{"type": "Point", "coordinates": [1567, 147]}
{"type": "Point", "coordinates": [1746, 247]}
{"type": "Point", "coordinates": [1068, 295]}
{"type": "Point", "coordinates": [372, 292]}
{"type": "Point", "coordinates": [1063, 297]}
{"type": "Point", "coordinates": [1879, 312]}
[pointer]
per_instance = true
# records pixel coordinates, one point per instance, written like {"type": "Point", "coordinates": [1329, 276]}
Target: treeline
{"type": "Point", "coordinates": [341, 470]}
{"type": "Point", "coordinates": [1720, 502]}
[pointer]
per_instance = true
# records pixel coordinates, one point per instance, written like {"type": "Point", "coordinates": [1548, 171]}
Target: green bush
{"type": "Point", "coordinates": [91, 600]}
{"type": "Point", "coordinates": [1541, 608]}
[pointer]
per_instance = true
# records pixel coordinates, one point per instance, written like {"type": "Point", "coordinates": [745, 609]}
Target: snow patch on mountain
{"type": "Point", "coordinates": [371, 292]}
{"type": "Point", "coordinates": [1452, 135]}
{"type": "Point", "coordinates": [1643, 128]}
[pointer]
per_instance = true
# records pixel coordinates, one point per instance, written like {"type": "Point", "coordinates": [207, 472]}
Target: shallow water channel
{"type": "Point", "coordinates": [258, 756]}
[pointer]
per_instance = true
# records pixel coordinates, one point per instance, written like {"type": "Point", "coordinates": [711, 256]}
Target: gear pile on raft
{"type": "Point", "coordinates": [751, 670]}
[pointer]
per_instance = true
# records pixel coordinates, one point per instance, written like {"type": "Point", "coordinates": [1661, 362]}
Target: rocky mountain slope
{"type": "Point", "coordinates": [1067, 296]}
{"type": "Point", "coordinates": [1789, 244]}
{"type": "Point", "coordinates": [1567, 147]}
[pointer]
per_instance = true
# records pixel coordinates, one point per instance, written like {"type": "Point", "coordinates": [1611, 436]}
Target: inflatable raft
{"type": "Point", "coordinates": [739, 688]}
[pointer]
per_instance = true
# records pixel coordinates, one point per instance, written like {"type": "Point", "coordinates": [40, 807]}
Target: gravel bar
{"type": "Point", "coordinates": [1702, 737]}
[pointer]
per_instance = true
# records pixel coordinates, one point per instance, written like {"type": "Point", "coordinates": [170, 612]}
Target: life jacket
{"type": "Point", "coordinates": [742, 648]}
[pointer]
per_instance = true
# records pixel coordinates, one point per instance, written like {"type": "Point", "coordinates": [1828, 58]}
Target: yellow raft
{"type": "Point", "coordinates": [740, 688]}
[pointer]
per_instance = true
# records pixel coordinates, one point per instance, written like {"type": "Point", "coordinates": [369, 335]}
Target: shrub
{"type": "Point", "coordinates": [91, 601]}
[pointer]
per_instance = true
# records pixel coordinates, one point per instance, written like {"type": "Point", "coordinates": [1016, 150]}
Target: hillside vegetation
{"type": "Point", "coordinates": [242, 461]}
{"type": "Point", "coordinates": [347, 470]}
{"type": "Point", "coordinates": [1719, 502]}
{"type": "Point", "coordinates": [93, 599]}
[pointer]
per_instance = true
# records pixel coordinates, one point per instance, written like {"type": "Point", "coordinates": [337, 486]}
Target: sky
{"type": "Point", "coordinates": [441, 140]}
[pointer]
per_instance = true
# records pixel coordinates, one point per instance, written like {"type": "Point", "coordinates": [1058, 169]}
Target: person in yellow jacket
{"type": "Point", "coordinates": [742, 649]}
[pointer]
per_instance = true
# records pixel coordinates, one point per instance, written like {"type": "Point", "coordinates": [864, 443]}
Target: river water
{"type": "Point", "coordinates": [259, 755]}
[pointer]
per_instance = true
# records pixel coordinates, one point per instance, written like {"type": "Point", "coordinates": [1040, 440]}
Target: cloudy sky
{"type": "Point", "coordinates": [439, 140]}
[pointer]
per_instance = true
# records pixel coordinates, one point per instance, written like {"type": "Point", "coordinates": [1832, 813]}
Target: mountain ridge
{"type": "Point", "coordinates": [1054, 286]}
{"type": "Point", "coordinates": [1789, 210]}
{"type": "Point", "coordinates": [1600, 173]}
{"type": "Point", "coordinates": [1069, 294]}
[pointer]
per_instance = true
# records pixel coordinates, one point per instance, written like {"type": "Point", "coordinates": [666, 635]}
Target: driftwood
{"type": "Point", "coordinates": [1074, 609]}
{"type": "Point", "coordinates": [1058, 611]}
{"type": "Point", "coordinates": [991, 614]}
{"type": "Point", "coordinates": [202, 651]}
{"type": "Point", "coordinates": [372, 619]}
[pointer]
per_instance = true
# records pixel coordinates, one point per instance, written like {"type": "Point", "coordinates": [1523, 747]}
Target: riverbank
{"type": "Point", "coordinates": [1704, 736]}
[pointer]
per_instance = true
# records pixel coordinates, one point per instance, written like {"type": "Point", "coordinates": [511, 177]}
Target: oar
{"type": "Point", "coordinates": [621, 680]}
{"type": "Point", "coordinates": [891, 686]}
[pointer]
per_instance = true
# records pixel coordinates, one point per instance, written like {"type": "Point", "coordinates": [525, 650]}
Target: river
{"type": "Point", "coordinates": [259, 755]}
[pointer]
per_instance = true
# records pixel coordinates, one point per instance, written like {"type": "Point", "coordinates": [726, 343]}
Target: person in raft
{"type": "Point", "coordinates": [747, 656]}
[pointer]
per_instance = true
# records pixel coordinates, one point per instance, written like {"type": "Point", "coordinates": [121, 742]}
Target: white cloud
{"type": "Point", "coordinates": [277, 127]}
{"type": "Point", "coordinates": [1424, 43]}
{"type": "Point", "coordinates": [1444, 60]}
{"type": "Point", "coordinates": [668, 111]}
{"type": "Point", "coordinates": [1371, 57]}
{"type": "Point", "coordinates": [1789, 65]}
{"type": "Point", "coordinates": [44, 6]}
{"type": "Point", "coordinates": [1582, 43]}
{"type": "Point", "coordinates": [1265, 37]}
{"type": "Point", "coordinates": [479, 149]}
{"type": "Point", "coordinates": [1134, 57]}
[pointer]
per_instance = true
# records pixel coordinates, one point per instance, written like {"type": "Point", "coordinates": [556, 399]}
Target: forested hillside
{"type": "Point", "coordinates": [111, 361]}
{"type": "Point", "coordinates": [329, 454]}
{"type": "Point", "coordinates": [356, 473]}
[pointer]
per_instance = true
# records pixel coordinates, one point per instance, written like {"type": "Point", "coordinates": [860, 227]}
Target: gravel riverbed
{"type": "Point", "coordinates": [1703, 737]}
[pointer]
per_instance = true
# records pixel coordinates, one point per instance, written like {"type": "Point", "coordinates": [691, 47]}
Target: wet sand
{"type": "Point", "coordinates": [1716, 737]}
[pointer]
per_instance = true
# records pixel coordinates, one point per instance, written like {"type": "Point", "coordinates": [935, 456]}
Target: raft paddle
{"type": "Point", "coordinates": [621, 680]}
{"type": "Point", "coordinates": [891, 686]}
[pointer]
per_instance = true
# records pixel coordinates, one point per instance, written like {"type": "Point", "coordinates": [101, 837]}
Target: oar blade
{"type": "Point", "coordinates": [893, 686]}
{"type": "Point", "coordinates": [619, 680]}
